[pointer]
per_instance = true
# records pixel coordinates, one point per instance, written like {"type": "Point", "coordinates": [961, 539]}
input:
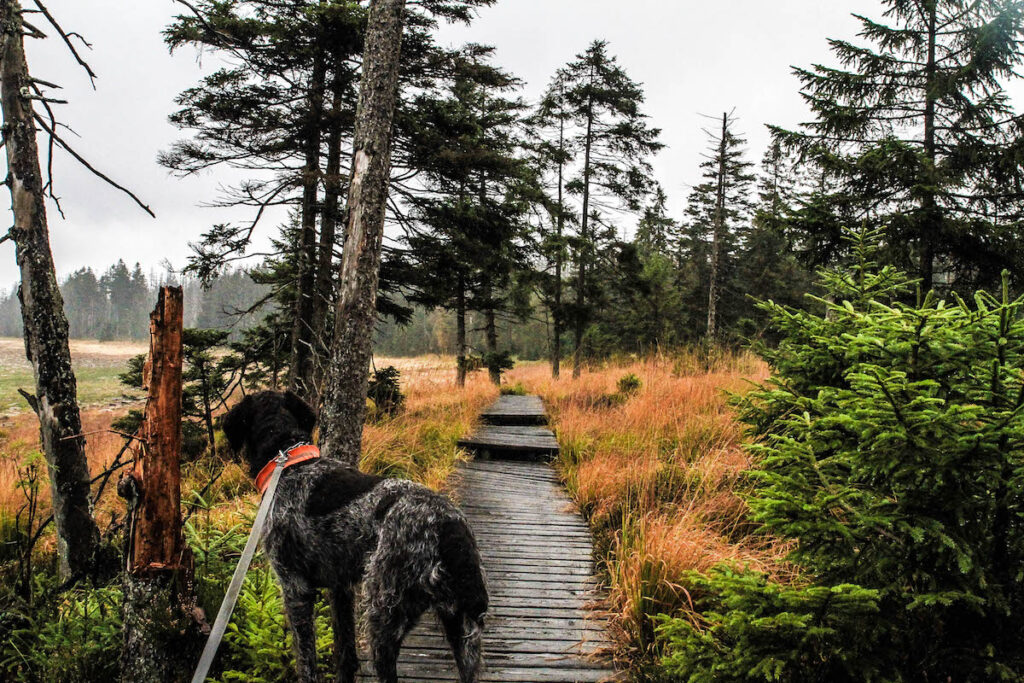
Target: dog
{"type": "Point", "coordinates": [333, 527]}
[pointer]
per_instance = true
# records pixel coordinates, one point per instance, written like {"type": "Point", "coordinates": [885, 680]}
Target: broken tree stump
{"type": "Point", "coordinates": [161, 622]}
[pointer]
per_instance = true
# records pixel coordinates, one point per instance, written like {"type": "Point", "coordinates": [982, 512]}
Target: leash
{"type": "Point", "coordinates": [227, 606]}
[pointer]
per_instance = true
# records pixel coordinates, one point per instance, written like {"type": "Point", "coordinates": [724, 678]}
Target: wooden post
{"type": "Point", "coordinates": [160, 625]}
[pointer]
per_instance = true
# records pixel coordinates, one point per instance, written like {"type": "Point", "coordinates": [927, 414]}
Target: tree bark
{"type": "Point", "coordinates": [581, 268]}
{"type": "Point", "coordinates": [160, 624]}
{"type": "Point", "coordinates": [344, 407]}
{"type": "Point", "coordinates": [300, 374]}
{"type": "Point", "coordinates": [42, 310]}
{"type": "Point", "coordinates": [556, 313]}
{"type": "Point", "coordinates": [491, 335]}
{"type": "Point", "coordinates": [716, 239]}
{"type": "Point", "coordinates": [932, 218]}
{"type": "Point", "coordinates": [460, 334]}
{"type": "Point", "coordinates": [328, 237]}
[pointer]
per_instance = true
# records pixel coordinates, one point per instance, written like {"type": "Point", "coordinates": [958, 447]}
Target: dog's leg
{"type": "Point", "coordinates": [386, 631]}
{"type": "Point", "coordinates": [298, 607]}
{"type": "Point", "coordinates": [465, 645]}
{"type": "Point", "coordinates": [343, 622]}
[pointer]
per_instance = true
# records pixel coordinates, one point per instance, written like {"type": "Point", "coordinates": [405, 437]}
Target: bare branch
{"type": "Point", "coordinates": [78, 157]}
{"type": "Point", "coordinates": [66, 37]}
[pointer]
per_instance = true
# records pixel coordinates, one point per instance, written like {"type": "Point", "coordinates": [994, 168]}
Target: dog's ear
{"type": "Point", "coordinates": [301, 410]}
{"type": "Point", "coordinates": [236, 423]}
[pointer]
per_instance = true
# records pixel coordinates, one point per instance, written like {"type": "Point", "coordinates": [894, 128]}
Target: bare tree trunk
{"type": "Point", "coordinates": [300, 374]}
{"type": "Point", "coordinates": [160, 626]}
{"type": "Point", "coordinates": [344, 407]}
{"type": "Point", "coordinates": [717, 235]}
{"type": "Point", "coordinates": [42, 311]}
{"type": "Point", "coordinates": [328, 236]}
{"type": "Point", "coordinates": [460, 333]}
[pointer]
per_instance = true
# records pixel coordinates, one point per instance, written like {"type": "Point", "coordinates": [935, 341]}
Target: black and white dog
{"type": "Point", "coordinates": [332, 526]}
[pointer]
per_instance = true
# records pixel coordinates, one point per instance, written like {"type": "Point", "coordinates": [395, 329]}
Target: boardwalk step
{"type": "Point", "coordinates": [513, 429]}
{"type": "Point", "coordinates": [542, 626]}
{"type": "Point", "coordinates": [516, 410]}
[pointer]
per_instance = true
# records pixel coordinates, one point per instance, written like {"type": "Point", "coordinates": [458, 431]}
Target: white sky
{"type": "Point", "coordinates": [692, 56]}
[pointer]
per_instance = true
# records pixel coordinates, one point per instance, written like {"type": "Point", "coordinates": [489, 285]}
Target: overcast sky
{"type": "Point", "coordinates": [692, 56]}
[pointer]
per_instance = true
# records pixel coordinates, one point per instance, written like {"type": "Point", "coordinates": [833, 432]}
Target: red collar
{"type": "Point", "coordinates": [295, 455]}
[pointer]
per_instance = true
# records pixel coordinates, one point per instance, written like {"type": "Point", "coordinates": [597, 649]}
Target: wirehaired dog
{"type": "Point", "coordinates": [332, 526]}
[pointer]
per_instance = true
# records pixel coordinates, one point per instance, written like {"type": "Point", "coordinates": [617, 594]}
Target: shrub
{"type": "Point", "coordinates": [629, 384]}
{"type": "Point", "coordinates": [385, 391]}
{"type": "Point", "coordinates": [889, 456]}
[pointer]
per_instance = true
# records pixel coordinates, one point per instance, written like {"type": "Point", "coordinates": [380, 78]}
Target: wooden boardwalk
{"type": "Point", "coordinates": [537, 553]}
{"type": "Point", "coordinates": [513, 428]}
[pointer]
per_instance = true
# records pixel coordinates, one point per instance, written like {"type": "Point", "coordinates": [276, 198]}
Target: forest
{"type": "Point", "coordinates": [785, 400]}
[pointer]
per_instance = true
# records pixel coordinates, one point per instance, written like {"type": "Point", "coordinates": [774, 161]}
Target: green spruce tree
{"type": "Point", "coordinates": [915, 131]}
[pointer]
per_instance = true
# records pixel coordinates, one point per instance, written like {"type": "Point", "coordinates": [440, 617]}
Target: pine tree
{"type": "Point", "coordinates": [769, 265]}
{"type": "Point", "coordinates": [886, 455]}
{"type": "Point", "coordinates": [657, 233]}
{"type": "Point", "coordinates": [553, 154]}
{"type": "Point", "coordinates": [918, 134]}
{"type": "Point", "coordinates": [612, 141]}
{"type": "Point", "coordinates": [468, 248]}
{"type": "Point", "coordinates": [719, 212]}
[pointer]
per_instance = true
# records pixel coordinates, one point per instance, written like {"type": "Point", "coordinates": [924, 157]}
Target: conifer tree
{"type": "Point", "coordinates": [657, 233]}
{"type": "Point", "coordinates": [887, 455]}
{"type": "Point", "coordinates": [609, 135]}
{"type": "Point", "coordinates": [916, 130]}
{"type": "Point", "coordinates": [467, 247]}
{"type": "Point", "coordinates": [718, 212]}
{"type": "Point", "coordinates": [553, 155]}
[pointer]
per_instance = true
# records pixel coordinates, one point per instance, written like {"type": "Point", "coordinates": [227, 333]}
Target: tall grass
{"type": "Point", "coordinates": [657, 472]}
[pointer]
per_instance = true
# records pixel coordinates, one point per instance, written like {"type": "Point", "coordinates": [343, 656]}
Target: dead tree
{"type": "Point", "coordinates": [344, 406]}
{"type": "Point", "coordinates": [159, 602]}
{"type": "Point", "coordinates": [46, 328]}
{"type": "Point", "coordinates": [55, 401]}
{"type": "Point", "coordinates": [717, 233]}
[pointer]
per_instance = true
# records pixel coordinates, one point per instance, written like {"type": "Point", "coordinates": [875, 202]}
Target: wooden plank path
{"type": "Point", "coordinates": [513, 429]}
{"type": "Point", "coordinates": [542, 626]}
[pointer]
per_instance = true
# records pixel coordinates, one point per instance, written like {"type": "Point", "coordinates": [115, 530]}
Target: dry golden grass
{"type": "Point", "coordinates": [656, 474]}
{"type": "Point", "coordinates": [419, 443]}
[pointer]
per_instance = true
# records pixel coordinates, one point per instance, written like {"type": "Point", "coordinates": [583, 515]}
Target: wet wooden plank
{"type": "Point", "coordinates": [542, 626]}
{"type": "Point", "coordinates": [516, 410]}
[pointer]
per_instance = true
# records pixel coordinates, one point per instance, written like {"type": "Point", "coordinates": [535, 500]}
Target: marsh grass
{"type": "Point", "coordinates": [658, 475]}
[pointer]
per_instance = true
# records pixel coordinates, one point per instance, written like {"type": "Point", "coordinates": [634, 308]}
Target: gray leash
{"type": "Point", "coordinates": [227, 606]}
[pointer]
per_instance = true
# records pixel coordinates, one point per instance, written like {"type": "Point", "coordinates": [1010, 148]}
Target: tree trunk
{"type": "Point", "coordinates": [556, 313]}
{"type": "Point", "coordinates": [931, 216]}
{"type": "Point", "coordinates": [491, 335]}
{"type": "Point", "coordinates": [460, 333]}
{"type": "Point", "coordinates": [328, 236]}
{"type": "Point", "coordinates": [160, 625]}
{"type": "Point", "coordinates": [42, 311]}
{"type": "Point", "coordinates": [300, 374]}
{"type": "Point", "coordinates": [344, 408]}
{"type": "Point", "coordinates": [716, 239]}
{"type": "Point", "coordinates": [581, 267]}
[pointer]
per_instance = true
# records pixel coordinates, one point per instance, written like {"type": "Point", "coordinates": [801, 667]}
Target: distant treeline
{"type": "Point", "coordinates": [115, 305]}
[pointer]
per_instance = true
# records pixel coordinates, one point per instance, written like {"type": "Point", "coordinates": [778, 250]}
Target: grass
{"type": "Point", "coordinates": [96, 365]}
{"type": "Point", "coordinates": [656, 469]}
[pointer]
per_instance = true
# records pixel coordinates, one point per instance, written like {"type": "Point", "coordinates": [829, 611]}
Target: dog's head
{"type": "Point", "coordinates": [261, 424]}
